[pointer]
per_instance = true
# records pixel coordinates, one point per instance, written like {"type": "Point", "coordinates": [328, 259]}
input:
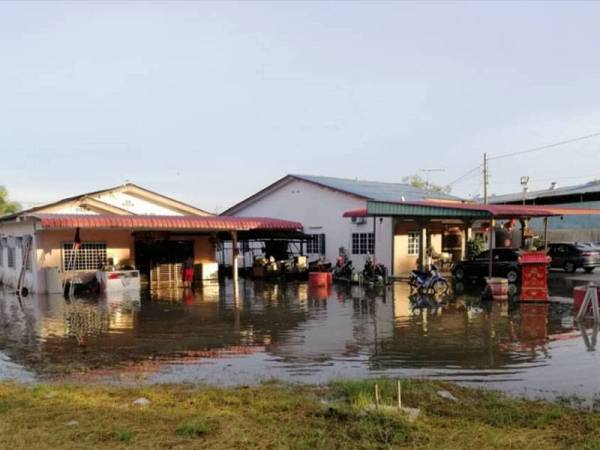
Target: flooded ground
{"type": "Point", "coordinates": [292, 333]}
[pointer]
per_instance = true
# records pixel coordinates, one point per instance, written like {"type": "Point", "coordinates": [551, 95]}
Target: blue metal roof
{"type": "Point", "coordinates": [586, 188]}
{"type": "Point", "coordinates": [376, 190]}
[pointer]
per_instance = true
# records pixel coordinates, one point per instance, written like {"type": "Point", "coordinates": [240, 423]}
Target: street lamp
{"type": "Point", "coordinates": [524, 183]}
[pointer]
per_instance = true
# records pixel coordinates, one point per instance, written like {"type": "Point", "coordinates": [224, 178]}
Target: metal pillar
{"type": "Point", "coordinates": [422, 245]}
{"type": "Point", "coordinates": [466, 235]}
{"type": "Point", "coordinates": [491, 239]}
{"type": "Point", "coordinates": [545, 234]}
{"type": "Point", "coordinates": [234, 262]}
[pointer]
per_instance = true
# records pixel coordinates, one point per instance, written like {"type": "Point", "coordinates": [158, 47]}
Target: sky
{"type": "Point", "coordinates": [210, 102]}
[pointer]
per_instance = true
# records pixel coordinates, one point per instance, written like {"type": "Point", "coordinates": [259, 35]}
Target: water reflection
{"type": "Point", "coordinates": [296, 333]}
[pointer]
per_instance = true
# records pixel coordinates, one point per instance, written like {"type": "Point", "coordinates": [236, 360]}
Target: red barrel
{"type": "Point", "coordinates": [318, 279]}
{"type": "Point", "coordinates": [579, 295]}
{"type": "Point", "coordinates": [329, 278]}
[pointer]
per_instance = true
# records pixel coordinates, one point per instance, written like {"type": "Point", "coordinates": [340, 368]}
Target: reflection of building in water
{"type": "Point", "coordinates": [83, 320]}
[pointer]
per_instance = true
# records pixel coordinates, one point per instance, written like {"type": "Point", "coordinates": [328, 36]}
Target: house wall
{"type": "Point", "coordinates": [9, 276]}
{"type": "Point", "coordinates": [320, 210]}
{"type": "Point", "coordinates": [135, 204]}
{"type": "Point", "coordinates": [121, 200]}
{"type": "Point", "coordinates": [404, 263]}
{"type": "Point", "coordinates": [119, 246]}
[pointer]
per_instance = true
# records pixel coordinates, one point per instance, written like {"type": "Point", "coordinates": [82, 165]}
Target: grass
{"type": "Point", "coordinates": [274, 416]}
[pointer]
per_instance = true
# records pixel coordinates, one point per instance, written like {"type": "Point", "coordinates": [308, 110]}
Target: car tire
{"type": "Point", "coordinates": [512, 276]}
{"type": "Point", "coordinates": [570, 267]}
{"type": "Point", "coordinates": [589, 269]}
{"type": "Point", "coordinates": [459, 273]}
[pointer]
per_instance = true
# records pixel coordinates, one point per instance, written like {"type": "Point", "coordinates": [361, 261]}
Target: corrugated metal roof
{"type": "Point", "coordinates": [181, 223]}
{"type": "Point", "coordinates": [375, 190]}
{"type": "Point", "coordinates": [467, 210]}
{"type": "Point", "coordinates": [586, 188]}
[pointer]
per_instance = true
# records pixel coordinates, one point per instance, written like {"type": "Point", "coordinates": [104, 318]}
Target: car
{"type": "Point", "coordinates": [505, 263]}
{"type": "Point", "coordinates": [571, 256]}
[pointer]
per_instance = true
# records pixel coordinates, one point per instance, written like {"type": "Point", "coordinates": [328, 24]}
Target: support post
{"type": "Point", "coordinates": [234, 261]}
{"type": "Point", "coordinates": [491, 239]}
{"type": "Point", "coordinates": [466, 235]}
{"type": "Point", "coordinates": [422, 245]}
{"type": "Point", "coordinates": [545, 234]}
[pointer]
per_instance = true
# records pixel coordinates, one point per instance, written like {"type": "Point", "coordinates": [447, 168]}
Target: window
{"type": "Point", "coordinates": [363, 243]}
{"type": "Point", "coordinates": [316, 244]}
{"type": "Point", "coordinates": [90, 256]}
{"type": "Point", "coordinates": [11, 257]}
{"type": "Point", "coordinates": [413, 243]}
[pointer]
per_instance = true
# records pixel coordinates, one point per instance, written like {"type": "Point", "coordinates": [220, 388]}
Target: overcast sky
{"type": "Point", "coordinates": [209, 102]}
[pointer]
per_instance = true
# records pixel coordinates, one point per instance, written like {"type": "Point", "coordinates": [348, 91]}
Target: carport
{"type": "Point", "coordinates": [425, 213]}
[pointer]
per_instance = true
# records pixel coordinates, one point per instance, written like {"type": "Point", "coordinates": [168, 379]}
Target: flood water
{"type": "Point", "coordinates": [292, 333]}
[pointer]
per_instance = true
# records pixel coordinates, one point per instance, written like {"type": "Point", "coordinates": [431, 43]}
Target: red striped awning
{"type": "Point", "coordinates": [173, 223]}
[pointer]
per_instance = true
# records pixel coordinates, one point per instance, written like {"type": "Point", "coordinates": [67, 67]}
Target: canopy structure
{"type": "Point", "coordinates": [432, 210]}
{"type": "Point", "coordinates": [165, 223]}
{"type": "Point", "coordinates": [456, 210]}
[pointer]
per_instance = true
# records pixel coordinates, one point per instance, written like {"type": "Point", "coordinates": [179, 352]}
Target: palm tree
{"type": "Point", "coordinates": [6, 206]}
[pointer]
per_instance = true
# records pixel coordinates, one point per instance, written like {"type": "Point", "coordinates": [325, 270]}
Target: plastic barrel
{"type": "Point", "coordinates": [329, 278]}
{"type": "Point", "coordinates": [318, 279]}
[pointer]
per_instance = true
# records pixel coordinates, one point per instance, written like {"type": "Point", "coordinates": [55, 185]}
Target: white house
{"type": "Point", "coordinates": [319, 204]}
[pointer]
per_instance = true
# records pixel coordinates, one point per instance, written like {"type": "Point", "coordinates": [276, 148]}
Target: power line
{"type": "Point", "coordinates": [464, 175]}
{"type": "Point", "coordinates": [548, 146]}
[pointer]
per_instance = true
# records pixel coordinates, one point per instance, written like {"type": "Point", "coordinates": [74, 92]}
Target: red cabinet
{"type": "Point", "coordinates": [534, 276]}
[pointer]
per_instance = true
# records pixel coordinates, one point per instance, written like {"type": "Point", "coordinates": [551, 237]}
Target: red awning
{"type": "Point", "coordinates": [360, 212]}
{"type": "Point", "coordinates": [173, 223]}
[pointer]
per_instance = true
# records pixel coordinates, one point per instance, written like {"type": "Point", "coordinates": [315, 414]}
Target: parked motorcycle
{"type": "Point", "coordinates": [343, 269]}
{"type": "Point", "coordinates": [432, 282]}
{"type": "Point", "coordinates": [374, 272]}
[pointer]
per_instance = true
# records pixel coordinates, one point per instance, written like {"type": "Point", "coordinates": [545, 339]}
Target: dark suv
{"type": "Point", "coordinates": [572, 256]}
{"type": "Point", "coordinates": [505, 263]}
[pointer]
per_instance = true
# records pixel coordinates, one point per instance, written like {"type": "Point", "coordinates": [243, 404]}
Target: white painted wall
{"type": "Point", "coordinates": [320, 210]}
{"type": "Point", "coordinates": [135, 204]}
{"type": "Point", "coordinates": [9, 276]}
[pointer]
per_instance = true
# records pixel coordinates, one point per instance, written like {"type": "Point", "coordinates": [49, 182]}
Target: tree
{"type": "Point", "coordinates": [418, 182]}
{"type": "Point", "coordinates": [6, 206]}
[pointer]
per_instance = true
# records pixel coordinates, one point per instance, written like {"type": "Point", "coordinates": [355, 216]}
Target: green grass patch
{"type": "Point", "coordinates": [341, 415]}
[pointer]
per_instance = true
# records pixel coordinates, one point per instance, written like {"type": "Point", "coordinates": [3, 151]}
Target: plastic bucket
{"type": "Point", "coordinates": [498, 288]}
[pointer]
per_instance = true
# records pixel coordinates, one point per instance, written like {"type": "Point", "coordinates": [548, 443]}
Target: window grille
{"type": "Point", "coordinates": [363, 243]}
{"type": "Point", "coordinates": [316, 244]}
{"type": "Point", "coordinates": [413, 243]}
{"type": "Point", "coordinates": [11, 257]}
{"type": "Point", "coordinates": [90, 256]}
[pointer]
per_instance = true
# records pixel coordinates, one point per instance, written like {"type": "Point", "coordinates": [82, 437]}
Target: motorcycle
{"type": "Point", "coordinates": [343, 269]}
{"type": "Point", "coordinates": [374, 272]}
{"type": "Point", "coordinates": [428, 282]}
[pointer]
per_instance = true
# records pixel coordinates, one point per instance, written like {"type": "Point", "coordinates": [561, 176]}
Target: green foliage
{"type": "Point", "coordinates": [6, 206]}
{"type": "Point", "coordinates": [474, 247]}
{"type": "Point", "coordinates": [195, 428]}
{"type": "Point", "coordinates": [418, 182]}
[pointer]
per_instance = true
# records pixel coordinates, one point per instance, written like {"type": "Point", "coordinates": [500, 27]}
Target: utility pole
{"type": "Point", "coordinates": [485, 178]}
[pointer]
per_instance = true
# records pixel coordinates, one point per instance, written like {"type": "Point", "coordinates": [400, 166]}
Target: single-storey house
{"type": "Point", "coordinates": [579, 228]}
{"type": "Point", "coordinates": [319, 203]}
{"type": "Point", "coordinates": [125, 226]}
